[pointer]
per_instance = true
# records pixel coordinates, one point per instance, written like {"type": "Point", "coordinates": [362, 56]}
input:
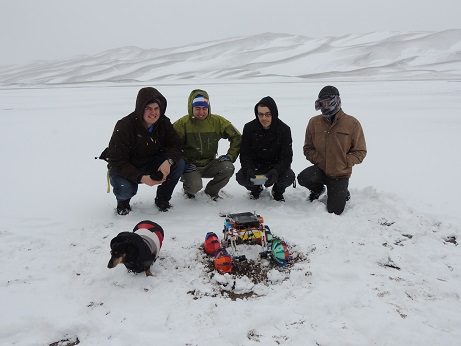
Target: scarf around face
{"type": "Point", "coordinates": [334, 105]}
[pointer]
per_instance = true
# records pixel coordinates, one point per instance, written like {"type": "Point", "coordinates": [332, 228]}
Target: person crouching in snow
{"type": "Point", "coordinates": [200, 131]}
{"type": "Point", "coordinates": [267, 150]}
{"type": "Point", "coordinates": [145, 149]}
{"type": "Point", "coordinates": [334, 143]}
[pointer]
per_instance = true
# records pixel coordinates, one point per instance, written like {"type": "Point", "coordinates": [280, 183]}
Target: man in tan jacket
{"type": "Point", "coordinates": [334, 142]}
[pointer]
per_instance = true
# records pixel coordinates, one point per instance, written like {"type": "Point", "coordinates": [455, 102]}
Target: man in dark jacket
{"type": "Point", "coordinates": [266, 149]}
{"type": "Point", "coordinates": [145, 148]}
{"type": "Point", "coordinates": [334, 143]}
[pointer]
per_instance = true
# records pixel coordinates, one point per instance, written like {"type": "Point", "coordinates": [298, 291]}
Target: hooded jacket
{"type": "Point", "coordinates": [200, 137]}
{"type": "Point", "coordinates": [132, 146]}
{"type": "Point", "coordinates": [335, 147]}
{"type": "Point", "coordinates": [263, 150]}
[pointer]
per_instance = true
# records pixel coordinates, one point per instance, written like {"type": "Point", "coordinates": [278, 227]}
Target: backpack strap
{"type": "Point", "coordinates": [108, 182]}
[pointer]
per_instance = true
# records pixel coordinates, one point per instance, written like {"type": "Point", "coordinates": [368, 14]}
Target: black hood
{"type": "Point", "coordinates": [146, 96]}
{"type": "Point", "coordinates": [269, 103]}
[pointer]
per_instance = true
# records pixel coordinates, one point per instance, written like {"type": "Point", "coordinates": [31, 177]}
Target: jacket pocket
{"type": "Point", "coordinates": [344, 140]}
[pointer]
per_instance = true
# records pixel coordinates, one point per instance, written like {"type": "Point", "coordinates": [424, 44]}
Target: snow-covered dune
{"type": "Point", "coordinates": [372, 56]}
{"type": "Point", "coordinates": [385, 272]}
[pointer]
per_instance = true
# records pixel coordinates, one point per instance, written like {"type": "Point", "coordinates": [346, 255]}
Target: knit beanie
{"type": "Point", "coordinates": [328, 91]}
{"type": "Point", "coordinates": [200, 101]}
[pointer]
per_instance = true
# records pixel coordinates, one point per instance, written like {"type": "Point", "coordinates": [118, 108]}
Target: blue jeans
{"type": "Point", "coordinates": [125, 189]}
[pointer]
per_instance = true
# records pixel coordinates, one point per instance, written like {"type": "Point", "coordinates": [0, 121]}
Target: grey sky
{"type": "Point", "coordinates": [55, 29]}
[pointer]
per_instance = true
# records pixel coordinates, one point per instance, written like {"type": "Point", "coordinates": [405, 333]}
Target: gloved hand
{"type": "Point", "coordinates": [271, 176]}
{"type": "Point", "coordinates": [189, 167]}
{"type": "Point", "coordinates": [250, 175]}
{"type": "Point", "coordinates": [157, 176]}
{"type": "Point", "coordinates": [223, 158]}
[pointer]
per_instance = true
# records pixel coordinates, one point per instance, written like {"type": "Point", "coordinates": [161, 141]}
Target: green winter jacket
{"type": "Point", "coordinates": [200, 137]}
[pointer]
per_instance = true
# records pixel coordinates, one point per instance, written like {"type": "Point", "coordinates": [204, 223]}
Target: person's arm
{"type": "Point", "coordinates": [245, 149]}
{"type": "Point", "coordinates": [173, 142]}
{"type": "Point", "coordinates": [286, 153]}
{"type": "Point", "coordinates": [358, 149]}
{"type": "Point", "coordinates": [164, 169]}
{"type": "Point", "coordinates": [309, 149]}
{"type": "Point", "coordinates": [119, 153]}
{"type": "Point", "coordinates": [235, 139]}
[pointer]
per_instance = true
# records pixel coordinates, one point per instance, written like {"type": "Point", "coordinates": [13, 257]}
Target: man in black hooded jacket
{"type": "Point", "coordinates": [145, 149]}
{"type": "Point", "coordinates": [267, 150]}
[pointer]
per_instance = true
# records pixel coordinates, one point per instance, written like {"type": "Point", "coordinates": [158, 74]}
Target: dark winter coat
{"type": "Point", "coordinates": [335, 147]}
{"type": "Point", "coordinates": [262, 150]}
{"type": "Point", "coordinates": [132, 146]}
{"type": "Point", "coordinates": [201, 137]}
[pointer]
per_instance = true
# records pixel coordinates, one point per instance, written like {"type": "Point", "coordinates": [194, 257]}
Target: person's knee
{"type": "Point", "coordinates": [287, 178]}
{"type": "Point", "coordinates": [124, 192]}
{"type": "Point", "coordinates": [226, 168]}
{"type": "Point", "coordinates": [192, 183]}
{"type": "Point", "coordinates": [303, 179]}
{"type": "Point", "coordinates": [241, 178]}
{"type": "Point", "coordinates": [177, 169]}
{"type": "Point", "coordinates": [123, 189]}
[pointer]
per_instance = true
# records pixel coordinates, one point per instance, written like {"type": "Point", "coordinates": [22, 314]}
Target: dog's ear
{"type": "Point", "coordinates": [117, 247]}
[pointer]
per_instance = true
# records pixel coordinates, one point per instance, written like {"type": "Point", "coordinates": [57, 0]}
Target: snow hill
{"type": "Point", "coordinates": [385, 272]}
{"type": "Point", "coordinates": [372, 56]}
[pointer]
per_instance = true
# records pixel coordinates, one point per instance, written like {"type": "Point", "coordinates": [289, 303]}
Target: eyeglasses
{"type": "Point", "coordinates": [323, 103]}
{"type": "Point", "coordinates": [267, 115]}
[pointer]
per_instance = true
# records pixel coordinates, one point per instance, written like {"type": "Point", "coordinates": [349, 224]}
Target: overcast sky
{"type": "Point", "coordinates": [54, 29]}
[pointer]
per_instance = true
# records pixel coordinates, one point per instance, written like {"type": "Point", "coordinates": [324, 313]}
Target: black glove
{"type": "Point", "coordinates": [250, 175]}
{"type": "Point", "coordinates": [271, 176]}
{"type": "Point", "coordinates": [157, 176]}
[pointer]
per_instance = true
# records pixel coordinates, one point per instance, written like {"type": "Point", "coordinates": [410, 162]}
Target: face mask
{"type": "Point", "coordinates": [329, 105]}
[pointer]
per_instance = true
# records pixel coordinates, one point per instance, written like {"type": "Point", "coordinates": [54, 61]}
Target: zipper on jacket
{"type": "Point", "coordinates": [201, 144]}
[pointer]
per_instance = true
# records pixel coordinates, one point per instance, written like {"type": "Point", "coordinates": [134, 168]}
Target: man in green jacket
{"type": "Point", "coordinates": [200, 131]}
{"type": "Point", "coordinates": [334, 143]}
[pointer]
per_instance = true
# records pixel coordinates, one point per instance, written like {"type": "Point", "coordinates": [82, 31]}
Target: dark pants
{"type": "Point", "coordinates": [124, 189]}
{"type": "Point", "coordinates": [283, 181]}
{"type": "Point", "coordinates": [315, 179]}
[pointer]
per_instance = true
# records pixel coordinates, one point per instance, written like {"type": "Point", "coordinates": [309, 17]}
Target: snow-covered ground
{"type": "Point", "coordinates": [385, 272]}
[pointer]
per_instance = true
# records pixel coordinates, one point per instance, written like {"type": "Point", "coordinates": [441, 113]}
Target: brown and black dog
{"type": "Point", "coordinates": [139, 249]}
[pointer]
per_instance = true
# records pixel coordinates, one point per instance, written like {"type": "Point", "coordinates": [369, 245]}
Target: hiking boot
{"type": "Point", "coordinates": [163, 205]}
{"type": "Point", "coordinates": [123, 207]}
{"type": "Point", "coordinates": [189, 195]}
{"type": "Point", "coordinates": [278, 196]}
{"type": "Point", "coordinates": [315, 195]}
{"type": "Point", "coordinates": [254, 194]}
{"type": "Point", "coordinates": [213, 197]}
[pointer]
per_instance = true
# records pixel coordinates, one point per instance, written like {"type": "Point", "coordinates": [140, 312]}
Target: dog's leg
{"type": "Point", "coordinates": [148, 272]}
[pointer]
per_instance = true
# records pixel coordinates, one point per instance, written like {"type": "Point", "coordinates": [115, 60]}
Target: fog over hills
{"type": "Point", "coordinates": [264, 57]}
